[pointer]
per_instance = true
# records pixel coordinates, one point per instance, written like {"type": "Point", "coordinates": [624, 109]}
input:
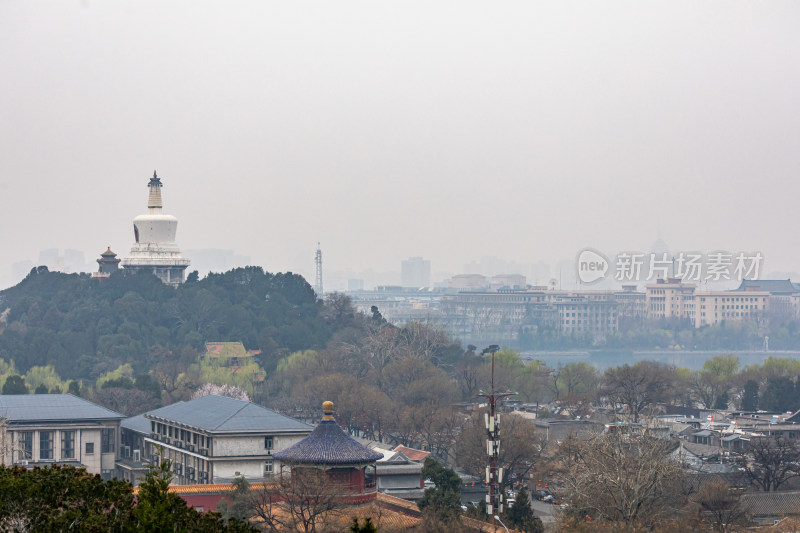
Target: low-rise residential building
{"type": "Point", "coordinates": [211, 439]}
{"type": "Point", "coordinates": [43, 429]}
{"type": "Point", "coordinates": [399, 476]}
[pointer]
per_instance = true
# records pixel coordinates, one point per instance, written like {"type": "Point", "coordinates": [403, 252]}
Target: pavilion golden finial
{"type": "Point", "coordinates": [327, 410]}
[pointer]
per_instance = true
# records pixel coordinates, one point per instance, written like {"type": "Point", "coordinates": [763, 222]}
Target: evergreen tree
{"type": "Point", "coordinates": [780, 394]}
{"type": "Point", "coordinates": [74, 388]}
{"type": "Point", "coordinates": [750, 396]}
{"type": "Point", "coordinates": [15, 385]}
{"type": "Point", "coordinates": [41, 389]}
{"type": "Point", "coordinates": [440, 504]}
{"type": "Point", "coordinates": [722, 401]}
{"type": "Point", "coordinates": [366, 527]}
{"type": "Point", "coordinates": [521, 517]}
{"type": "Point", "coordinates": [159, 510]}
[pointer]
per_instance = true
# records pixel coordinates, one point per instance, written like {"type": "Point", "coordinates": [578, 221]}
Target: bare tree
{"type": "Point", "coordinates": [614, 478]}
{"type": "Point", "coordinates": [129, 402]}
{"type": "Point", "coordinates": [637, 387]}
{"type": "Point", "coordinates": [308, 500]}
{"type": "Point", "coordinates": [770, 462]}
{"type": "Point", "coordinates": [339, 307]}
{"type": "Point", "coordinates": [521, 446]}
{"type": "Point", "coordinates": [721, 506]}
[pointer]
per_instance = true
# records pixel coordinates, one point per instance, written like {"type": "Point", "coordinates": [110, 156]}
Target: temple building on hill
{"type": "Point", "coordinates": [328, 451]}
{"type": "Point", "coordinates": [108, 263]}
{"type": "Point", "coordinates": [235, 357]}
{"type": "Point", "coordinates": [155, 249]}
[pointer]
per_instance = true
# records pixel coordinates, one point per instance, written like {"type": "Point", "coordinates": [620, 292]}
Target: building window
{"type": "Point", "coordinates": [107, 440]}
{"type": "Point", "coordinates": [68, 445]}
{"type": "Point", "coordinates": [45, 445]}
{"type": "Point", "coordinates": [26, 444]}
{"type": "Point", "coordinates": [89, 448]}
{"type": "Point", "coordinates": [268, 467]}
{"type": "Point", "coordinates": [268, 443]}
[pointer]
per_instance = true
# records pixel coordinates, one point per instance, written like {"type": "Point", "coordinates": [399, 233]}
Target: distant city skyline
{"type": "Point", "coordinates": [526, 131]}
{"type": "Point", "coordinates": [538, 273]}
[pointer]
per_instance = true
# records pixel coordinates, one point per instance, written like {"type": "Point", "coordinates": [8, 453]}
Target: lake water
{"type": "Point", "coordinates": [693, 360]}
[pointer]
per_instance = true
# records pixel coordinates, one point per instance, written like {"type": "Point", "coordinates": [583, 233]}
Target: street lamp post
{"type": "Point", "coordinates": [501, 523]}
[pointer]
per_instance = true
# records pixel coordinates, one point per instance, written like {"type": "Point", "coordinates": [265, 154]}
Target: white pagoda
{"type": "Point", "coordinates": [155, 249]}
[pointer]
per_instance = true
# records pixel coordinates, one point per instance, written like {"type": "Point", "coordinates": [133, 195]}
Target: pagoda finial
{"type": "Point", "coordinates": [327, 410]}
{"type": "Point", "coordinates": [155, 181]}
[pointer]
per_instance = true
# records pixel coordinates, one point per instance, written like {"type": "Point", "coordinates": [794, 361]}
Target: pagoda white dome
{"type": "Point", "coordinates": [155, 228]}
{"type": "Point", "coordinates": [154, 247]}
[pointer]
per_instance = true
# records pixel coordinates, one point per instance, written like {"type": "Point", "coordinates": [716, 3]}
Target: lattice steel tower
{"type": "Point", "coordinates": [318, 261]}
{"type": "Point", "coordinates": [494, 475]}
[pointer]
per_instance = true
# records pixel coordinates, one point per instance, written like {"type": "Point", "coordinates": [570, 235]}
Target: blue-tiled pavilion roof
{"type": "Point", "coordinates": [328, 445]}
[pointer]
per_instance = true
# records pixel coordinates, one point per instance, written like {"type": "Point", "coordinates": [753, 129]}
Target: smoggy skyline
{"type": "Point", "coordinates": [448, 130]}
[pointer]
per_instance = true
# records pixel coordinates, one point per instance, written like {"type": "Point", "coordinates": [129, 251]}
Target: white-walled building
{"type": "Point", "coordinates": [211, 439]}
{"type": "Point", "coordinates": [155, 248]}
{"type": "Point", "coordinates": [43, 429]}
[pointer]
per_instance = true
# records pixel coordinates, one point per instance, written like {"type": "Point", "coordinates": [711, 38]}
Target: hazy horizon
{"type": "Point", "coordinates": [448, 130]}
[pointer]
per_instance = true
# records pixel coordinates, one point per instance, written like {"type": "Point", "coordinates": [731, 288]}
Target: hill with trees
{"type": "Point", "coordinates": [82, 328]}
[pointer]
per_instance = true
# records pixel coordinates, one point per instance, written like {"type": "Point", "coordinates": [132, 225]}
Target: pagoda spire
{"type": "Point", "coordinates": [154, 198]}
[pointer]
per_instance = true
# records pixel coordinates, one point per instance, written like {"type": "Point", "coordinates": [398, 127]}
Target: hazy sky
{"type": "Point", "coordinates": [450, 130]}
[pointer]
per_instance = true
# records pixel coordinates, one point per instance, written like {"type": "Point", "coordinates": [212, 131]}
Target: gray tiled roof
{"type": "Point", "coordinates": [772, 503]}
{"type": "Point", "coordinates": [774, 286]}
{"type": "Point", "coordinates": [30, 408]}
{"type": "Point", "coordinates": [220, 414]}
{"type": "Point", "coordinates": [136, 423]}
{"type": "Point", "coordinates": [328, 445]}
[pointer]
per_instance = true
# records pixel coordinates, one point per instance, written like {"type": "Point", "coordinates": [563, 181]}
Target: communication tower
{"type": "Point", "coordinates": [494, 475]}
{"type": "Point", "coordinates": [318, 282]}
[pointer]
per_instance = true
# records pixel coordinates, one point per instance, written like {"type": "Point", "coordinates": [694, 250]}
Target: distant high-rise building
{"type": "Point", "coordinates": [469, 282]}
{"type": "Point", "coordinates": [49, 258]}
{"type": "Point", "coordinates": [155, 249]}
{"type": "Point", "coordinates": [415, 272]}
{"type": "Point", "coordinates": [355, 284]}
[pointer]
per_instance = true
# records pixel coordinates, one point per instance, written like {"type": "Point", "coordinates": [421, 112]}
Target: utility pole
{"type": "Point", "coordinates": [318, 261]}
{"type": "Point", "coordinates": [494, 475]}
